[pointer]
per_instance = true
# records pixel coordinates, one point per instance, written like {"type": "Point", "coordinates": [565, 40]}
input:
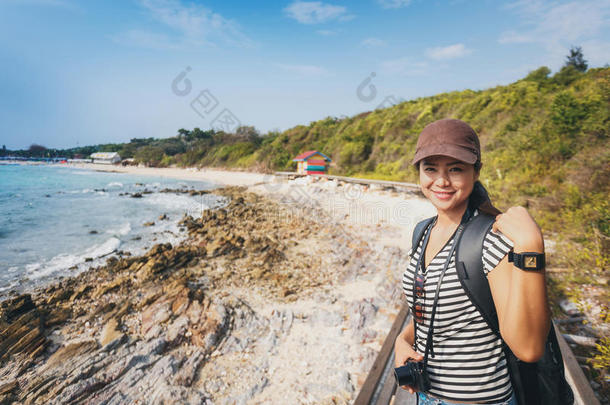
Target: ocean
{"type": "Point", "coordinates": [57, 221]}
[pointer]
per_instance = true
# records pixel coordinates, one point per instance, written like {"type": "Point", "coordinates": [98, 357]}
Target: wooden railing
{"type": "Point", "coordinates": [380, 388]}
{"type": "Point", "coordinates": [386, 183]}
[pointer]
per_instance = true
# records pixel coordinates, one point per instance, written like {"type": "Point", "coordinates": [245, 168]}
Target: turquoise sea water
{"type": "Point", "coordinates": [53, 218]}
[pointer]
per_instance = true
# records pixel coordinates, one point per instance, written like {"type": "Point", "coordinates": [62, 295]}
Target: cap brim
{"type": "Point", "coordinates": [453, 151]}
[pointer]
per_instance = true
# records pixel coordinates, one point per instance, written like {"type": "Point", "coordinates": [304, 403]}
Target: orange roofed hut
{"type": "Point", "coordinates": [312, 162]}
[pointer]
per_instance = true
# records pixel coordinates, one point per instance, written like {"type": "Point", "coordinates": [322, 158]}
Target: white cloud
{"type": "Point", "coordinates": [191, 25]}
{"type": "Point", "coordinates": [394, 3]}
{"type": "Point", "coordinates": [403, 67]}
{"type": "Point", "coordinates": [448, 52]}
{"type": "Point", "coordinates": [303, 70]}
{"type": "Point", "coordinates": [559, 25]}
{"type": "Point", "coordinates": [315, 12]}
{"type": "Point", "coordinates": [373, 43]}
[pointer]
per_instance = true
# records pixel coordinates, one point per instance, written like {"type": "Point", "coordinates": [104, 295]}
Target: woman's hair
{"type": "Point", "coordinates": [479, 198]}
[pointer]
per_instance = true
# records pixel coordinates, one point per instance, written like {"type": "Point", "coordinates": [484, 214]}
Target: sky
{"type": "Point", "coordinates": [75, 73]}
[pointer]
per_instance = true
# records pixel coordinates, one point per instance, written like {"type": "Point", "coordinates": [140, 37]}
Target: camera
{"type": "Point", "coordinates": [413, 374]}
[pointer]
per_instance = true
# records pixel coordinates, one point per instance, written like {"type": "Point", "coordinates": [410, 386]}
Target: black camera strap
{"type": "Point", "coordinates": [429, 349]}
{"type": "Point", "coordinates": [458, 233]}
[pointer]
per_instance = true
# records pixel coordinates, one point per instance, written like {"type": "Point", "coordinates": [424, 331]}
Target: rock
{"type": "Point", "coordinates": [181, 303]}
{"type": "Point", "coordinates": [163, 217]}
{"type": "Point", "coordinates": [153, 332]}
{"type": "Point", "coordinates": [155, 314]}
{"type": "Point", "coordinates": [177, 329]}
{"type": "Point", "coordinates": [569, 308]}
{"type": "Point", "coordinates": [580, 340]}
{"type": "Point", "coordinates": [71, 351]}
{"type": "Point", "coordinates": [150, 223]}
{"type": "Point", "coordinates": [111, 286]}
{"type": "Point", "coordinates": [111, 336]}
{"type": "Point", "coordinates": [211, 326]}
{"type": "Point", "coordinates": [14, 308]}
{"type": "Point", "coordinates": [186, 374]}
{"type": "Point", "coordinates": [136, 195]}
{"type": "Point", "coordinates": [81, 291]}
{"type": "Point", "coordinates": [21, 328]}
{"type": "Point", "coordinates": [93, 232]}
{"type": "Point", "coordinates": [7, 391]}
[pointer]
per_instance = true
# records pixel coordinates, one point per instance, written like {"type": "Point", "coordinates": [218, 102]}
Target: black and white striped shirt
{"type": "Point", "coordinates": [468, 363]}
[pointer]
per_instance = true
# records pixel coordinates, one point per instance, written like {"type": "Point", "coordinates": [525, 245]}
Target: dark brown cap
{"type": "Point", "coordinates": [448, 137]}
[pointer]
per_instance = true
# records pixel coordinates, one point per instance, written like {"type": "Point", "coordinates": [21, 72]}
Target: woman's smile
{"type": "Point", "coordinates": [443, 195]}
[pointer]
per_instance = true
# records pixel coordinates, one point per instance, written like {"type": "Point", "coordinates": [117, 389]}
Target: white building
{"type": "Point", "coordinates": [107, 158]}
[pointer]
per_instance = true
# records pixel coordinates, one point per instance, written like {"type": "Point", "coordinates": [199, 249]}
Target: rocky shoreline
{"type": "Point", "coordinates": [286, 293]}
{"type": "Point", "coordinates": [262, 301]}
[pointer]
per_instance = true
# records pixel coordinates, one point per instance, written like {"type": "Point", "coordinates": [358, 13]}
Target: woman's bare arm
{"type": "Point", "coordinates": [403, 350]}
{"type": "Point", "coordinates": [520, 296]}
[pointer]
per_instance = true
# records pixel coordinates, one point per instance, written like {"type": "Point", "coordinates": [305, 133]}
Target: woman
{"type": "Point", "coordinates": [469, 365]}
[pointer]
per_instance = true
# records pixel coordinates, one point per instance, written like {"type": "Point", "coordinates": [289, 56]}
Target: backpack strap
{"type": "Point", "coordinates": [418, 233]}
{"type": "Point", "coordinates": [470, 271]}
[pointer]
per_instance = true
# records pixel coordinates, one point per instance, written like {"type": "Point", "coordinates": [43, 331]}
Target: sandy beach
{"type": "Point", "coordinates": [224, 177]}
{"type": "Point", "coordinates": [286, 294]}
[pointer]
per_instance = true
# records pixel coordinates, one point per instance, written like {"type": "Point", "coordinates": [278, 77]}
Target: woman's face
{"type": "Point", "coordinates": [447, 182]}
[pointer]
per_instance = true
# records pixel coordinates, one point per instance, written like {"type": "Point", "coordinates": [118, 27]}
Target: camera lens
{"type": "Point", "coordinates": [405, 375]}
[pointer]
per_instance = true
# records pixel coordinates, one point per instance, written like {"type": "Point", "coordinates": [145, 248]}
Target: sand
{"type": "Point", "coordinates": [222, 177]}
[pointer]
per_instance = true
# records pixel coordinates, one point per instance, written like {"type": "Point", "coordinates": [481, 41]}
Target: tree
{"type": "Point", "coordinates": [37, 150]}
{"type": "Point", "coordinates": [539, 75]}
{"type": "Point", "coordinates": [197, 133]}
{"type": "Point", "coordinates": [576, 59]}
{"type": "Point", "coordinates": [149, 155]}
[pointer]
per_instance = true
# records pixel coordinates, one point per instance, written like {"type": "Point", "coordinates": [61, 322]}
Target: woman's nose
{"type": "Point", "coordinates": [442, 180]}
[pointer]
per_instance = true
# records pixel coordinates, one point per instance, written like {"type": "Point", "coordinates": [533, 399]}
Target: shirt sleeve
{"type": "Point", "coordinates": [495, 246]}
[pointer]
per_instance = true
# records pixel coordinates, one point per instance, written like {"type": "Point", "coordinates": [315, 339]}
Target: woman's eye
{"type": "Point", "coordinates": [456, 169]}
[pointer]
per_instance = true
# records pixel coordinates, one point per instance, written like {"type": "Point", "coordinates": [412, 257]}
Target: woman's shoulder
{"type": "Point", "coordinates": [495, 246]}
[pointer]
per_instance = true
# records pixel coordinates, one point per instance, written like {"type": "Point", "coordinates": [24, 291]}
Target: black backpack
{"type": "Point", "coordinates": [539, 383]}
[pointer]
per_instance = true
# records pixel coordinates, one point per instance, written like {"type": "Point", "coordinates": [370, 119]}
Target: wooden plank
{"type": "Point", "coordinates": [583, 393]}
{"type": "Point", "coordinates": [372, 380]}
{"type": "Point", "coordinates": [389, 387]}
{"type": "Point", "coordinates": [387, 183]}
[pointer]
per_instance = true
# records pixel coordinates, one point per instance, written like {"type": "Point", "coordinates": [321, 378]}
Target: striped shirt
{"type": "Point", "coordinates": [468, 363]}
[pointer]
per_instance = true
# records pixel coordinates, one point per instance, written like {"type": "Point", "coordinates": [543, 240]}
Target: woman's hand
{"type": "Point", "coordinates": [403, 352]}
{"type": "Point", "coordinates": [519, 226]}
